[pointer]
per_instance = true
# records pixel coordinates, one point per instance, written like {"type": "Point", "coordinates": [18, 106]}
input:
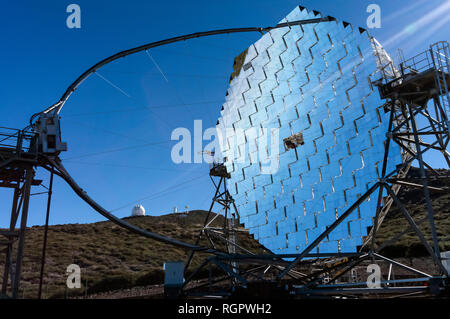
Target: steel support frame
{"type": "Point", "coordinates": [408, 111]}
{"type": "Point", "coordinates": [13, 266]}
{"type": "Point", "coordinates": [434, 252]}
{"type": "Point", "coordinates": [44, 245]}
{"type": "Point", "coordinates": [226, 234]}
{"type": "Point", "coordinates": [403, 130]}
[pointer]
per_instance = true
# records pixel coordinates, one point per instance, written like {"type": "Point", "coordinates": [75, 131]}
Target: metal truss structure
{"type": "Point", "coordinates": [225, 234]}
{"type": "Point", "coordinates": [420, 90]}
{"type": "Point", "coordinates": [16, 173]}
{"type": "Point", "coordinates": [417, 100]}
{"type": "Point", "coordinates": [39, 144]}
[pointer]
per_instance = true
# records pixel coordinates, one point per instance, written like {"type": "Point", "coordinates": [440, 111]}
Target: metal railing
{"type": "Point", "coordinates": [436, 58]}
{"type": "Point", "coordinates": [418, 63]}
{"type": "Point", "coordinates": [15, 140]}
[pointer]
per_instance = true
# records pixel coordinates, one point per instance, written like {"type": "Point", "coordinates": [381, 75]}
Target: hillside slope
{"type": "Point", "coordinates": [409, 245]}
{"type": "Point", "coordinates": [112, 258]}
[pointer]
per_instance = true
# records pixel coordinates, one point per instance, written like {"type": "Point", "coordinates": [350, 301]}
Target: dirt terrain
{"type": "Point", "coordinates": [118, 264]}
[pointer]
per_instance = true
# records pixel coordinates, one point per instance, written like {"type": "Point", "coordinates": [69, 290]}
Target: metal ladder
{"type": "Point", "coordinates": [440, 56]}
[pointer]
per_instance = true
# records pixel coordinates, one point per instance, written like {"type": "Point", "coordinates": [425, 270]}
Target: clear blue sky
{"type": "Point", "coordinates": [40, 57]}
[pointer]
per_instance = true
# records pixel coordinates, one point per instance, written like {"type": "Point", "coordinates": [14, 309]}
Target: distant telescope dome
{"type": "Point", "coordinates": [138, 210]}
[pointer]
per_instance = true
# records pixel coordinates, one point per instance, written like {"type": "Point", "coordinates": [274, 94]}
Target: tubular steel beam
{"type": "Point", "coordinates": [426, 191]}
{"type": "Point", "coordinates": [23, 225]}
{"type": "Point", "coordinates": [348, 267]}
{"type": "Point", "coordinates": [275, 257]}
{"type": "Point", "coordinates": [431, 188]}
{"type": "Point", "coordinates": [58, 106]}
{"type": "Point", "coordinates": [329, 230]}
{"type": "Point", "coordinates": [383, 282]}
{"type": "Point", "coordinates": [44, 245]}
{"type": "Point", "coordinates": [416, 154]}
{"type": "Point", "coordinates": [416, 229]}
{"type": "Point", "coordinates": [419, 133]}
{"type": "Point", "coordinates": [83, 195]}
{"type": "Point", "coordinates": [196, 271]}
{"type": "Point", "coordinates": [229, 270]}
{"type": "Point", "coordinates": [400, 138]}
{"type": "Point", "coordinates": [197, 241]}
{"type": "Point", "coordinates": [359, 291]}
{"type": "Point", "coordinates": [398, 236]}
{"type": "Point", "coordinates": [8, 259]}
{"type": "Point", "coordinates": [383, 175]}
{"type": "Point", "coordinates": [402, 265]}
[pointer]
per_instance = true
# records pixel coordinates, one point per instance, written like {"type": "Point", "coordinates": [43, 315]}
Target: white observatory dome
{"type": "Point", "coordinates": [138, 210]}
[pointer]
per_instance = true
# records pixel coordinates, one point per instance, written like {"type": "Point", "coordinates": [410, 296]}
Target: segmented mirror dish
{"type": "Point", "coordinates": [304, 130]}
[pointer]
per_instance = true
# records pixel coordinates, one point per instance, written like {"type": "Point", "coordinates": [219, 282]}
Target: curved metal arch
{"type": "Point", "coordinates": [59, 105]}
{"type": "Point", "coordinates": [56, 108]}
{"type": "Point", "coordinates": [58, 169]}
